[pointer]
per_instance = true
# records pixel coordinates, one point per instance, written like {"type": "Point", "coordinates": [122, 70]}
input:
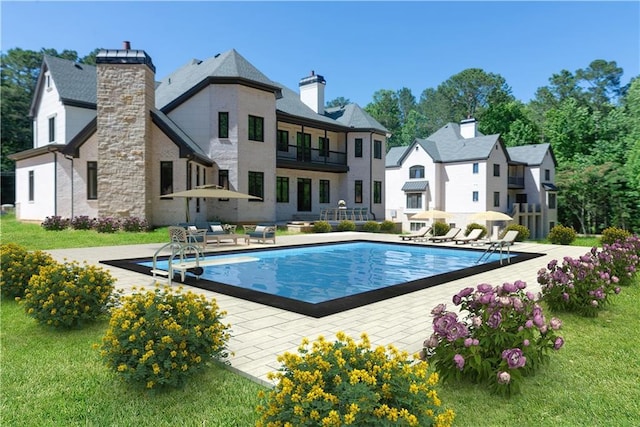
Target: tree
{"type": "Point", "coordinates": [570, 130]}
{"type": "Point", "coordinates": [602, 81]}
{"type": "Point", "coordinates": [385, 109]}
{"type": "Point", "coordinates": [511, 121]}
{"type": "Point", "coordinates": [338, 102]}
{"type": "Point", "coordinates": [466, 94]}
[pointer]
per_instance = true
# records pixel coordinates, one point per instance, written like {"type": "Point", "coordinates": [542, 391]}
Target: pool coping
{"type": "Point", "coordinates": [334, 306]}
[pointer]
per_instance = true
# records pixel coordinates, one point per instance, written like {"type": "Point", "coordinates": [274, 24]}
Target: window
{"type": "Point", "coordinates": [323, 146]}
{"type": "Point", "coordinates": [476, 168]}
{"type": "Point", "coordinates": [223, 124]}
{"type": "Point", "coordinates": [521, 198]}
{"type": "Point", "coordinates": [256, 128]}
{"type": "Point", "coordinates": [476, 196]}
{"type": "Point", "coordinates": [416, 172]}
{"type": "Point", "coordinates": [414, 201]}
{"type": "Point", "coordinates": [166, 178]}
{"type": "Point", "coordinates": [377, 191]}
{"type": "Point", "coordinates": [324, 191]}
{"type": "Point", "coordinates": [282, 189]}
{"type": "Point", "coordinates": [358, 191]}
{"type": "Point", "coordinates": [31, 186]}
{"type": "Point", "coordinates": [92, 180]}
{"type": "Point", "coordinates": [256, 185]}
{"type": "Point", "coordinates": [189, 175]}
{"type": "Point", "coordinates": [197, 184]}
{"type": "Point", "coordinates": [552, 200]}
{"type": "Point", "coordinates": [304, 147]}
{"type": "Point", "coordinates": [496, 169]}
{"type": "Point", "coordinates": [547, 175]}
{"type": "Point", "coordinates": [377, 149]}
{"type": "Point", "coordinates": [52, 129]}
{"type": "Point", "coordinates": [358, 147]}
{"type": "Point", "coordinates": [283, 140]}
{"type": "Point", "coordinates": [496, 199]}
{"type": "Point", "coordinates": [415, 226]}
{"type": "Point", "coordinates": [48, 82]}
{"type": "Point", "coordinates": [223, 180]}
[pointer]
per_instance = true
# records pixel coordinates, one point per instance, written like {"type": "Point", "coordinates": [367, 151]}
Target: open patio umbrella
{"type": "Point", "coordinates": [208, 191]}
{"type": "Point", "coordinates": [432, 214]}
{"type": "Point", "coordinates": [489, 217]}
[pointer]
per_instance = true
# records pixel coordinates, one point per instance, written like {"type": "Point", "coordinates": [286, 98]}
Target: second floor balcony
{"type": "Point", "coordinates": [296, 157]}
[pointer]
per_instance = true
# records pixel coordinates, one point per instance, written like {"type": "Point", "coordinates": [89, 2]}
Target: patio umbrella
{"type": "Point", "coordinates": [489, 217]}
{"type": "Point", "coordinates": [209, 191]}
{"type": "Point", "coordinates": [432, 214]}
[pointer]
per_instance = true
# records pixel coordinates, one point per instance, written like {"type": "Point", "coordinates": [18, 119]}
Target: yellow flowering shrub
{"type": "Point", "coordinates": [17, 265]}
{"type": "Point", "coordinates": [68, 295]}
{"type": "Point", "coordinates": [159, 338]}
{"type": "Point", "coordinates": [348, 383]}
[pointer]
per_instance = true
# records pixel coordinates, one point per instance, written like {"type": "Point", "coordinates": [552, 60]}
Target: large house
{"type": "Point", "coordinates": [110, 141]}
{"type": "Point", "coordinates": [462, 172]}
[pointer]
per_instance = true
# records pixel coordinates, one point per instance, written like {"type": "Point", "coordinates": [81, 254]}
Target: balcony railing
{"type": "Point", "coordinates": [312, 156]}
{"type": "Point", "coordinates": [516, 182]}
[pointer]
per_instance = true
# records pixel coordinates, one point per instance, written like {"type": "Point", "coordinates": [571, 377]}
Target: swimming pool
{"type": "Point", "coordinates": [318, 280]}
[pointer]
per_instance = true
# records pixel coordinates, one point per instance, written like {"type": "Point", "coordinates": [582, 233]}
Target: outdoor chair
{"type": "Point", "coordinates": [261, 232]}
{"type": "Point", "coordinates": [453, 232]}
{"type": "Point", "coordinates": [473, 236]}
{"type": "Point", "coordinates": [508, 239]}
{"type": "Point", "coordinates": [185, 236]}
{"type": "Point", "coordinates": [418, 234]}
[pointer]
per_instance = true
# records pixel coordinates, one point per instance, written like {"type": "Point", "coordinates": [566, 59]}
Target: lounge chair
{"type": "Point", "coordinates": [473, 236]}
{"type": "Point", "coordinates": [508, 239]}
{"type": "Point", "coordinates": [261, 232]}
{"type": "Point", "coordinates": [186, 237]}
{"type": "Point", "coordinates": [418, 234]}
{"type": "Point", "coordinates": [453, 232]}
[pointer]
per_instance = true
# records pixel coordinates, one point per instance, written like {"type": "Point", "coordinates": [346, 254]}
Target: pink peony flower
{"type": "Point", "coordinates": [504, 377]}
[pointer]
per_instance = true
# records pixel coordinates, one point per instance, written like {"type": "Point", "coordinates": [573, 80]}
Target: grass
{"type": "Point", "coordinates": [56, 378]}
{"type": "Point", "coordinates": [52, 378]}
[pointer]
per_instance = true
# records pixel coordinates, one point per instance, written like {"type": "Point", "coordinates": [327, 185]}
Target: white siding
{"type": "Point", "coordinates": [43, 203]}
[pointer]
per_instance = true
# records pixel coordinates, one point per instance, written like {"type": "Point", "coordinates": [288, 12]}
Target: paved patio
{"type": "Point", "coordinates": [260, 333]}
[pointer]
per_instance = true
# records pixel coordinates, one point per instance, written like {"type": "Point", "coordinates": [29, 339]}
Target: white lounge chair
{"type": "Point", "coordinates": [508, 239]}
{"type": "Point", "coordinates": [417, 235]}
{"type": "Point", "coordinates": [473, 236]}
{"type": "Point", "coordinates": [453, 232]}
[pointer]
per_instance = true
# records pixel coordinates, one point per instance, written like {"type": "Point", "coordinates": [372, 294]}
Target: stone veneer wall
{"type": "Point", "coordinates": [125, 96]}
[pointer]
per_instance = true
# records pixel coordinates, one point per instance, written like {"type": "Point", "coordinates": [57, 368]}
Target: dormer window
{"type": "Point", "coordinates": [416, 172]}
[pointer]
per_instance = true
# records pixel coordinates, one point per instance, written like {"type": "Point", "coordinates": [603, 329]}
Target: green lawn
{"type": "Point", "coordinates": [53, 378]}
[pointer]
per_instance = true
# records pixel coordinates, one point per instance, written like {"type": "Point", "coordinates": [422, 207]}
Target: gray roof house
{"type": "Point", "coordinates": [459, 170]}
{"type": "Point", "coordinates": [112, 140]}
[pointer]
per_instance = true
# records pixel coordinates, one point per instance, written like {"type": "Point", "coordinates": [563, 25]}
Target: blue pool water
{"type": "Point", "coordinates": [317, 274]}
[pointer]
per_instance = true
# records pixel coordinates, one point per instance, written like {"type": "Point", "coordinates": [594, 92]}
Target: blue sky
{"type": "Point", "coordinates": [359, 47]}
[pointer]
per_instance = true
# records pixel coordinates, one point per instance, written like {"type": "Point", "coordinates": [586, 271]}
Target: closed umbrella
{"type": "Point", "coordinates": [209, 191]}
{"type": "Point", "coordinates": [489, 217]}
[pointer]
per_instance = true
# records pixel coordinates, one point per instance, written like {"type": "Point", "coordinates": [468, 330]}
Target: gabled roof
{"type": "Point", "coordinates": [229, 67]}
{"type": "Point", "coordinates": [187, 146]}
{"type": "Point", "coordinates": [353, 116]}
{"type": "Point", "coordinates": [531, 155]}
{"type": "Point", "coordinates": [75, 82]}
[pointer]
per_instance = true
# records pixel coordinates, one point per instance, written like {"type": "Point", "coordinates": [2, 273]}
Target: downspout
{"type": "Point", "coordinates": [371, 148]}
{"type": "Point", "coordinates": [55, 183]}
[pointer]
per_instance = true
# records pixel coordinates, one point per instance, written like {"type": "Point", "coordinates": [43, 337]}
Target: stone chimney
{"type": "Point", "coordinates": [468, 128]}
{"type": "Point", "coordinates": [125, 97]}
{"type": "Point", "coordinates": [312, 92]}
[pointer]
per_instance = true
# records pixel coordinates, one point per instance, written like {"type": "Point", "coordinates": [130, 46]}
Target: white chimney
{"type": "Point", "coordinates": [312, 92]}
{"type": "Point", "coordinates": [468, 128]}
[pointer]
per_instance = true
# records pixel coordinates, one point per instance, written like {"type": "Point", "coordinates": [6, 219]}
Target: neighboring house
{"type": "Point", "coordinates": [110, 140]}
{"type": "Point", "coordinates": [461, 171]}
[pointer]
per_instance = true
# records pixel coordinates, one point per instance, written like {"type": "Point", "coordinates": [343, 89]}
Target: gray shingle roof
{"type": "Point", "coordinates": [290, 103]}
{"type": "Point", "coordinates": [415, 186]}
{"type": "Point", "coordinates": [394, 156]}
{"type": "Point", "coordinates": [75, 83]}
{"type": "Point", "coordinates": [532, 155]}
{"type": "Point", "coordinates": [228, 65]}
{"type": "Point", "coordinates": [351, 115]}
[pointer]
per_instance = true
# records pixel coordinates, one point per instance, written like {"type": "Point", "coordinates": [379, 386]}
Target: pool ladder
{"type": "Point", "coordinates": [178, 250]}
{"type": "Point", "coordinates": [492, 249]}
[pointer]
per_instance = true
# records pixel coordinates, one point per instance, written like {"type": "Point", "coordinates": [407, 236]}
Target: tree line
{"type": "Point", "coordinates": [591, 121]}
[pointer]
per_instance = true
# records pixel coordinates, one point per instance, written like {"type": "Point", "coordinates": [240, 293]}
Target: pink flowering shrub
{"type": "Point", "coordinates": [580, 285]}
{"type": "Point", "coordinates": [501, 336]}
{"type": "Point", "coordinates": [621, 258]}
